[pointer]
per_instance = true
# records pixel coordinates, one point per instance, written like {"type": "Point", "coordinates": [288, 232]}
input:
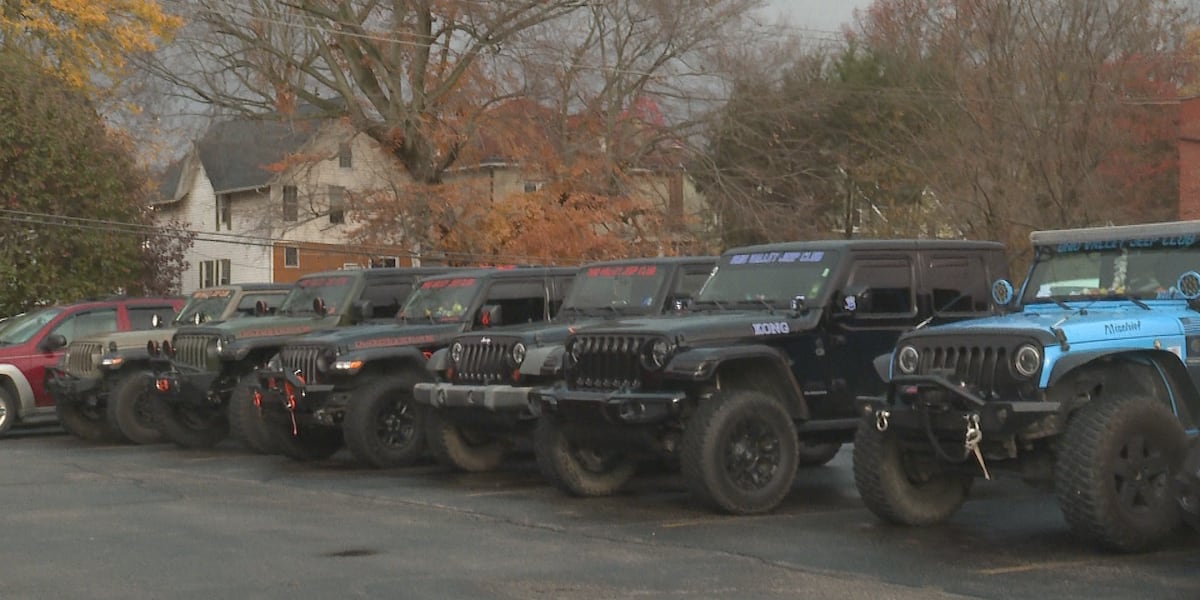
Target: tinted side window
{"type": "Point", "coordinates": [87, 323]}
{"type": "Point", "coordinates": [519, 301]}
{"type": "Point", "coordinates": [140, 317]}
{"type": "Point", "coordinates": [884, 285]}
{"type": "Point", "coordinates": [958, 284]}
{"type": "Point", "coordinates": [387, 296]}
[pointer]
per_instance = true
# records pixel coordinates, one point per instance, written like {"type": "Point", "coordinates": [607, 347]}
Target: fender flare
{"type": "Point", "coordinates": [25, 399]}
{"type": "Point", "coordinates": [1184, 396]}
{"type": "Point", "coordinates": [702, 364]}
{"type": "Point", "coordinates": [392, 353]}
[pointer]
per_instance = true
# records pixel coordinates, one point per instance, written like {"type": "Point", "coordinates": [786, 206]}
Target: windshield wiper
{"type": "Point", "coordinates": [1130, 298]}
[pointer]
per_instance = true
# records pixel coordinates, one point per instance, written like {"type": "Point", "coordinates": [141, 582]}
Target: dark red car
{"type": "Point", "coordinates": [31, 342]}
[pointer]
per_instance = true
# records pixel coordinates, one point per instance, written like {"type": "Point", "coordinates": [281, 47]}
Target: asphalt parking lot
{"type": "Point", "coordinates": [87, 521]}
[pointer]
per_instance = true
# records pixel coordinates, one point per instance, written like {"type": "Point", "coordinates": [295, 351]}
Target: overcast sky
{"type": "Point", "coordinates": [828, 15]}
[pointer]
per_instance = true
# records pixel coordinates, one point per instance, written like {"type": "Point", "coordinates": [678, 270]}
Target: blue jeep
{"type": "Point", "coordinates": [1089, 384]}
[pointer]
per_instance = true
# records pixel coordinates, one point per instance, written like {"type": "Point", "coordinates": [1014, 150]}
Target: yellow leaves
{"type": "Point", "coordinates": [82, 39]}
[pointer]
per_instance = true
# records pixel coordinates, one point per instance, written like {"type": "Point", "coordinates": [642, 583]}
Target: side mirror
{"type": "Point", "coordinates": [681, 303]}
{"type": "Point", "coordinates": [1002, 292]}
{"type": "Point", "coordinates": [318, 307]}
{"type": "Point", "coordinates": [53, 342]}
{"type": "Point", "coordinates": [854, 299]}
{"type": "Point", "coordinates": [362, 310]}
{"type": "Point", "coordinates": [156, 321]}
{"type": "Point", "coordinates": [489, 316]}
{"type": "Point", "coordinates": [260, 308]}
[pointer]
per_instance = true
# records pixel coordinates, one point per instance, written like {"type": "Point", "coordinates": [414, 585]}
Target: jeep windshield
{"type": "Point", "coordinates": [623, 289]}
{"type": "Point", "coordinates": [440, 300]}
{"type": "Point", "coordinates": [331, 289]}
{"type": "Point", "coordinates": [18, 329]}
{"type": "Point", "coordinates": [204, 305]}
{"type": "Point", "coordinates": [1119, 269]}
{"type": "Point", "coordinates": [768, 279]}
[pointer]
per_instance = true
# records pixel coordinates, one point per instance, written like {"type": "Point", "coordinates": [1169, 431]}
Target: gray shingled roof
{"type": "Point", "coordinates": [168, 181]}
{"type": "Point", "coordinates": [236, 153]}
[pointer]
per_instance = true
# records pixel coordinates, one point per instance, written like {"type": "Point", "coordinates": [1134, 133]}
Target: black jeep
{"type": "Point", "coordinates": [199, 376]}
{"type": "Point", "coordinates": [482, 406]}
{"type": "Point", "coordinates": [760, 375]}
{"type": "Point", "coordinates": [355, 386]}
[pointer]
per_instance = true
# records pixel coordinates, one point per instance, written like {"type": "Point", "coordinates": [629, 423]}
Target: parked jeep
{"type": "Point", "coordinates": [33, 342]}
{"type": "Point", "coordinates": [107, 374]}
{"type": "Point", "coordinates": [482, 406]}
{"type": "Point", "coordinates": [760, 375]}
{"type": "Point", "coordinates": [1088, 384]}
{"type": "Point", "coordinates": [204, 365]}
{"type": "Point", "coordinates": [354, 387]}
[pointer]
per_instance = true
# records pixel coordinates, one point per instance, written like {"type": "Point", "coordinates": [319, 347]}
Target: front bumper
{"type": "Point", "coordinates": [618, 408]}
{"type": "Point", "coordinates": [283, 394]}
{"type": "Point", "coordinates": [933, 403]}
{"type": "Point", "coordinates": [66, 388]}
{"type": "Point", "coordinates": [493, 398]}
{"type": "Point", "coordinates": [184, 386]}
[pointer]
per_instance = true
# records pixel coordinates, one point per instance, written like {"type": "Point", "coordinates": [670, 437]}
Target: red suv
{"type": "Point", "coordinates": [31, 342]}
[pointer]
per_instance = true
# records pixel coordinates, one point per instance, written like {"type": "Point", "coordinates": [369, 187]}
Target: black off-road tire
{"type": "Point", "coordinates": [308, 444]}
{"type": "Point", "coordinates": [739, 452]}
{"type": "Point", "coordinates": [191, 427]}
{"type": "Point", "coordinates": [384, 427]}
{"type": "Point", "coordinates": [131, 409]}
{"type": "Point", "coordinates": [578, 471]}
{"type": "Point", "coordinates": [817, 454]}
{"type": "Point", "coordinates": [246, 424]}
{"type": "Point", "coordinates": [8, 411]}
{"type": "Point", "coordinates": [891, 486]}
{"type": "Point", "coordinates": [87, 422]}
{"type": "Point", "coordinates": [1115, 471]}
{"type": "Point", "coordinates": [462, 447]}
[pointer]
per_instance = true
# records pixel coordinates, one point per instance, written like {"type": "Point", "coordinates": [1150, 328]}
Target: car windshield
{"type": "Point", "coordinates": [441, 300]}
{"type": "Point", "coordinates": [1142, 269]}
{"type": "Point", "coordinates": [626, 288]}
{"type": "Point", "coordinates": [204, 304]}
{"type": "Point", "coordinates": [771, 278]}
{"type": "Point", "coordinates": [331, 289]}
{"type": "Point", "coordinates": [18, 329]}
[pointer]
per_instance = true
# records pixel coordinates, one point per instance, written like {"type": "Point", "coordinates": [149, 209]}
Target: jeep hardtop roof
{"type": "Point", "coordinates": [651, 260]}
{"type": "Point", "coordinates": [252, 287]}
{"type": "Point", "coordinates": [864, 244]}
{"type": "Point", "coordinates": [506, 273]}
{"type": "Point", "coordinates": [381, 272]}
{"type": "Point", "coordinates": [1115, 232]}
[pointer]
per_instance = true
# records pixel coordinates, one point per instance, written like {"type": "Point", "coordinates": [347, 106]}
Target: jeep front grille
{"type": "Point", "coordinates": [84, 358]}
{"type": "Point", "coordinates": [982, 364]}
{"type": "Point", "coordinates": [605, 362]}
{"type": "Point", "coordinates": [192, 349]}
{"type": "Point", "coordinates": [485, 364]}
{"type": "Point", "coordinates": [303, 359]}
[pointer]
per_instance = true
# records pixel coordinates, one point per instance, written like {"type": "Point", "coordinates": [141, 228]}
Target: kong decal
{"type": "Point", "coordinates": [778, 328]}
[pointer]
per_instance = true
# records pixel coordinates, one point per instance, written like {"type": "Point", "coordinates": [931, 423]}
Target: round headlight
{"type": "Point", "coordinates": [655, 354]}
{"type": "Point", "coordinates": [1027, 360]}
{"type": "Point", "coordinates": [456, 352]}
{"type": "Point", "coordinates": [275, 363]}
{"type": "Point", "coordinates": [326, 360]}
{"type": "Point", "coordinates": [220, 345]}
{"type": "Point", "coordinates": [518, 353]}
{"type": "Point", "coordinates": [906, 360]}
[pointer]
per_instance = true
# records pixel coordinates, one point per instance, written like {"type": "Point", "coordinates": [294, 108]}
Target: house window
{"type": "Point", "coordinates": [291, 257]}
{"type": "Point", "coordinates": [384, 262]}
{"type": "Point", "coordinates": [533, 186]}
{"type": "Point", "coordinates": [345, 156]}
{"type": "Point", "coordinates": [291, 205]}
{"type": "Point", "coordinates": [224, 212]}
{"type": "Point", "coordinates": [215, 272]}
{"type": "Point", "coordinates": [337, 204]}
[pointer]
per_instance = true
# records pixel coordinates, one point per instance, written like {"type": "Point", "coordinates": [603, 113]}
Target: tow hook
{"type": "Point", "coordinates": [881, 420]}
